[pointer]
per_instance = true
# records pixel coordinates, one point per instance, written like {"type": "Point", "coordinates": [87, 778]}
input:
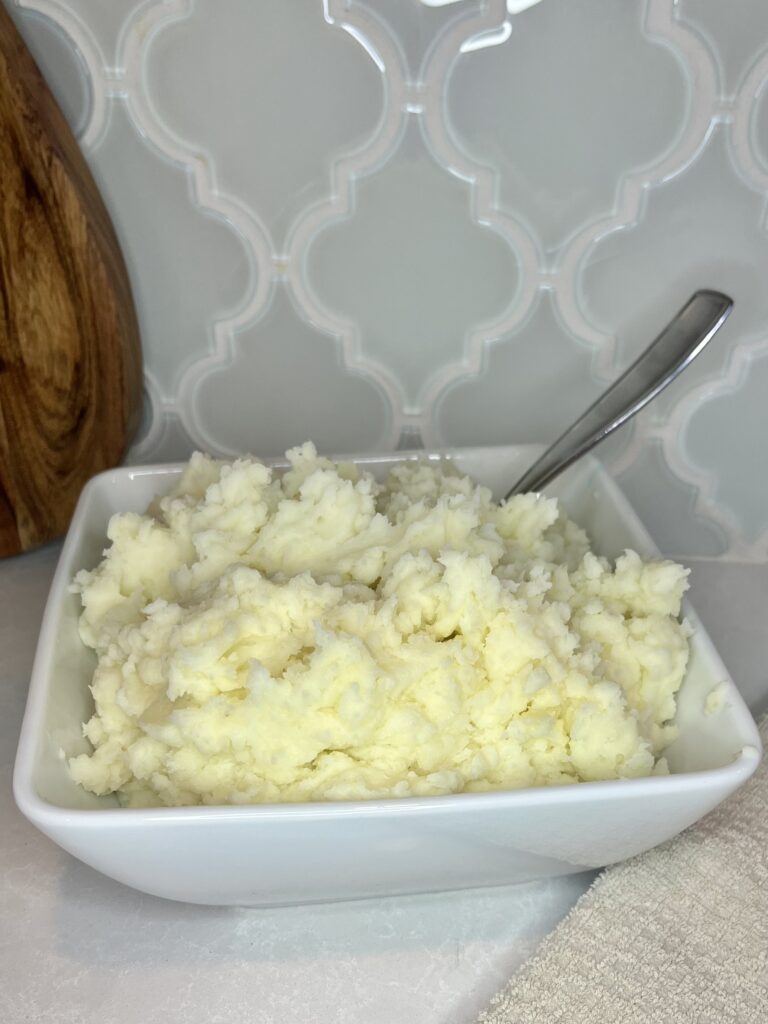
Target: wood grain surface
{"type": "Point", "coordinates": [70, 357]}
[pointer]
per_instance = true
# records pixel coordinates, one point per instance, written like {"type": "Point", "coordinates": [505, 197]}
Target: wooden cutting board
{"type": "Point", "coordinates": [70, 358]}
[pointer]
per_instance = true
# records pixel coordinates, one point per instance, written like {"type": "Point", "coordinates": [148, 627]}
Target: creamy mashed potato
{"type": "Point", "coordinates": [316, 635]}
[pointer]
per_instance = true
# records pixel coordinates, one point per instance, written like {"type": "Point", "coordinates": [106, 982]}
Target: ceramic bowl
{"type": "Point", "coordinates": [299, 853]}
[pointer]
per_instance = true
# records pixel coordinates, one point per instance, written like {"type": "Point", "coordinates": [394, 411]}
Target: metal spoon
{"type": "Point", "coordinates": [664, 359]}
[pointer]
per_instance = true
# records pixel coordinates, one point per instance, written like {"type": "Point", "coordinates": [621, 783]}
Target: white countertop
{"type": "Point", "coordinates": [76, 946]}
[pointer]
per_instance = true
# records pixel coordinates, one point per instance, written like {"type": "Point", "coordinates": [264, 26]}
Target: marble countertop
{"type": "Point", "coordinates": [77, 946]}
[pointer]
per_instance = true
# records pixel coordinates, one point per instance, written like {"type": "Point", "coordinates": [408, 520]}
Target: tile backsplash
{"type": "Point", "coordinates": [386, 222]}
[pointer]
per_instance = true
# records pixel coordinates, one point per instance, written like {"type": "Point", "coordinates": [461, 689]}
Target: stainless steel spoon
{"type": "Point", "coordinates": [664, 359]}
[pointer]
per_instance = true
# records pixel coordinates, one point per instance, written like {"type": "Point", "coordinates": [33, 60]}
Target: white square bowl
{"type": "Point", "coordinates": [299, 853]}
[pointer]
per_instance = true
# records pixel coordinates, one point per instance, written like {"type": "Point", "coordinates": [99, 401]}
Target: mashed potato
{"type": "Point", "coordinates": [320, 636]}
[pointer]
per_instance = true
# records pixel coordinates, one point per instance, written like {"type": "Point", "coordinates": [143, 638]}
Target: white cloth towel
{"type": "Point", "coordinates": [675, 936]}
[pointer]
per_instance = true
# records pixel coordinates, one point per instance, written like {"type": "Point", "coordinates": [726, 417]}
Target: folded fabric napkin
{"type": "Point", "coordinates": [675, 936]}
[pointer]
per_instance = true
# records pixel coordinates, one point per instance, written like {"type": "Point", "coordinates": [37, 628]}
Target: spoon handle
{"type": "Point", "coordinates": [666, 357]}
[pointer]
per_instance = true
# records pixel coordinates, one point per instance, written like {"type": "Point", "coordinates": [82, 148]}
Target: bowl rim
{"type": "Point", "coordinates": [726, 777]}
{"type": "Point", "coordinates": [43, 812]}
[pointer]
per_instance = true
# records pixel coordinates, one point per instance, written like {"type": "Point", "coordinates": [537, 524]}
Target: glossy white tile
{"type": "Point", "coordinates": [284, 385]}
{"type": "Point", "coordinates": [383, 222]}
{"type": "Point", "coordinates": [414, 295]}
